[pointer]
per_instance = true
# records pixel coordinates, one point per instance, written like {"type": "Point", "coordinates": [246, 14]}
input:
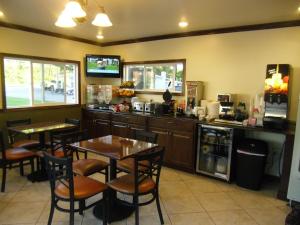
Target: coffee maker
{"type": "Point", "coordinates": [226, 110]}
{"type": "Point", "coordinates": [194, 95]}
{"type": "Point", "coordinates": [276, 96]}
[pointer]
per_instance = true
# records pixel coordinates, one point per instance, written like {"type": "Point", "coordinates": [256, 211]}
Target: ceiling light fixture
{"type": "Point", "coordinates": [299, 9]}
{"type": "Point", "coordinates": [183, 24]}
{"type": "Point", "coordinates": [1, 14]}
{"type": "Point", "coordinates": [65, 20]}
{"type": "Point", "coordinates": [74, 11]}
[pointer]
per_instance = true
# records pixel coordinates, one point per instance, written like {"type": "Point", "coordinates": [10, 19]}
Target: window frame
{"type": "Point", "coordinates": [152, 62]}
{"type": "Point", "coordinates": [43, 60]}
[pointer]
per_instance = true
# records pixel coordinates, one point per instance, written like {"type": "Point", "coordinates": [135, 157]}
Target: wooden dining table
{"type": "Point", "coordinates": [115, 148]}
{"type": "Point", "coordinates": [41, 129]}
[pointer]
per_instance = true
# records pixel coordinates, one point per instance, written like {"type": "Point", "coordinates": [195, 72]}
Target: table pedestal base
{"type": "Point", "coordinates": [38, 176]}
{"type": "Point", "coordinates": [116, 211]}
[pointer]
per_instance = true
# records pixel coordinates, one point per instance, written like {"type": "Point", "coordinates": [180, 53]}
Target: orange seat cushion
{"type": "Point", "coordinates": [127, 165]}
{"type": "Point", "coordinates": [86, 167]}
{"type": "Point", "coordinates": [13, 154]}
{"type": "Point", "coordinates": [84, 187]}
{"type": "Point", "coordinates": [26, 143]}
{"type": "Point", "coordinates": [125, 184]}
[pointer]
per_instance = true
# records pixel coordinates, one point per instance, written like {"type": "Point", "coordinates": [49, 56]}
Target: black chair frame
{"type": "Point", "coordinates": [8, 164]}
{"type": "Point", "coordinates": [60, 170]}
{"type": "Point", "coordinates": [143, 171]}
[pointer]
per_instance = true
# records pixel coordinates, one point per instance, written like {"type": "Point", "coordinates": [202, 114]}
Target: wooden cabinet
{"type": "Point", "coordinates": [177, 135]}
{"type": "Point", "coordinates": [178, 138]}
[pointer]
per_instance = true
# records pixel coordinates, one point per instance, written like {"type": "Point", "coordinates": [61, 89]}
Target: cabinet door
{"type": "Point", "coordinates": [119, 129]}
{"type": "Point", "coordinates": [181, 151]}
{"type": "Point", "coordinates": [162, 140]}
{"type": "Point", "coordinates": [133, 127]}
{"type": "Point", "coordinates": [102, 128]}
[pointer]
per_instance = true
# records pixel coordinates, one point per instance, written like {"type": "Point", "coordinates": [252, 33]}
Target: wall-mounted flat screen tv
{"type": "Point", "coordinates": [103, 66]}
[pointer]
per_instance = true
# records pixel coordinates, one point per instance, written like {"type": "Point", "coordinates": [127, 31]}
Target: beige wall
{"type": "Point", "coordinates": [227, 63]}
{"type": "Point", "coordinates": [25, 43]}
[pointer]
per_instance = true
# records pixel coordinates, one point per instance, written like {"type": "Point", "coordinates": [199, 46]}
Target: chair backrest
{"type": "Point", "coordinates": [62, 141]}
{"type": "Point", "coordinates": [73, 121]}
{"type": "Point", "coordinates": [148, 164]}
{"type": "Point", "coordinates": [2, 148]}
{"type": "Point", "coordinates": [59, 170]}
{"type": "Point", "coordinates": [147, 136]}
{"type": "Point", "coordinates": [13, 123]}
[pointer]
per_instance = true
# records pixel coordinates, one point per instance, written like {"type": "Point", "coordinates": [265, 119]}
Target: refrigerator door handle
{"type": "Point", "coordinates": [249, 153]}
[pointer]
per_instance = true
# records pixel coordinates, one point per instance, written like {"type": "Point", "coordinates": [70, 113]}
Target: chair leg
{"type": "Point", "coordinates": [71, 212]}
{"type": "Point", "coordinates": [106, 174]}
{"type": "Point", "coordinates": [81, 207]}
{"type": "Point", "coordinates": [85, 154]}
{"type": "Point", "coordinates": [159, 208]}
{"type": "Point", "coordinates": [32, 165]}
{"type": "Point", "coordinates": [21, 168]}
{"type": "Point", "coordinates": [136, 206]}
{"type": "Point", "coordinates": [3, 178]}
{"type": "Point", "coordinates": [51, 213]}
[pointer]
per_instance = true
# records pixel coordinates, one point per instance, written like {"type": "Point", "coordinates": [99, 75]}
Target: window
{"type": "Point", "coordinates": [156, 76]}
{"type": "Point", "coordinates": [32, 82]}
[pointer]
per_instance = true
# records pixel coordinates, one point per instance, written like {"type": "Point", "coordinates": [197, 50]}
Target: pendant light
{"type": "Point", "coordinates": [74, 9]}
{"type": "Point", "coordinates": [65, 20]}
{"type": "Point", "coordinates": [102, 19]}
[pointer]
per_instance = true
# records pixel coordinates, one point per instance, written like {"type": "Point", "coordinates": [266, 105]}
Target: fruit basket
{"type": "Point", "coordinates": [126, 92]}
{"type": "Point", "coordinates": [127, 85]}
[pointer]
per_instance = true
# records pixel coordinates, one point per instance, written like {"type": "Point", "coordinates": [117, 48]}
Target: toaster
{"type": "Point", "coordinates": [138, 106]}
{"type": "Point", "coordinates": [149, 107]}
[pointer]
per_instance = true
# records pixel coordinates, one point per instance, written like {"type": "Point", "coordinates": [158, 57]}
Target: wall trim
{"type": "Point", "coordinates": [234, 29]}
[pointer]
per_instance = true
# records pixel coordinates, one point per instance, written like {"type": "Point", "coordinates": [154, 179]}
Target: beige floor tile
{"type": "Point", "coordinates": [17, 212]}
{"type": "Point", "coordinates": [7, 196]}
{"type": "Point", "coordinates": [60, 223]}
{"type": "Point", "coordinates": [58, 215]}
{"type": "Point", "coordinates": [148, 220]}
{"type": "Point", "coordinates": [190, 219]}
{"type": "Point", "coordinates": [250, 199]}
{"type": "Point", "coordinates": [168, 174]}
{"type": "Point", "coordinates": [268, 216]}
{"type": "Point", "coordinates": [32, 195]}
{"type": "Point", "coordinates": [217, 201]}
{"type": "Point", "coordinates": [182, 204]}
{"type": "Point", "coordinates": [286, 209]}
{"type": "Point", "coordinates": [232, 217]}
{"type": "Point", "coordinates": [89, 221]}
{"type": "Point", "coordinates": [202, 185]}
{"type": "Point", "coordinates": [173, 189]}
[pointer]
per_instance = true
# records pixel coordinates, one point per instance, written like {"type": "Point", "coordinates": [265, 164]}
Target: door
{"type": "Point", "coordinates": [181, 149]}
{"type": "Point", "coordinates": [163, 140]}
{"type": "Point", "coordinates": [119, 129]}
{"type": "Point", "coordinates": [102, 128]}
{"type": "Point", "coordinates": [294, 184]}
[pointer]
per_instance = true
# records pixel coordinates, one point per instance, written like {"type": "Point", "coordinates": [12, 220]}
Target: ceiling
{"type": "Point", "coordinates": [134, 19]}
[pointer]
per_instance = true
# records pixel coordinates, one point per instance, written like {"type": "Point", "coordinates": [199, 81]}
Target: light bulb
{"type": "Point", "coordinates": [183, 24]}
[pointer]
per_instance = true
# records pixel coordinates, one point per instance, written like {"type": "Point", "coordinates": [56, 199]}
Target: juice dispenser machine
{"type": "Point", "coordinates": [276, 96]}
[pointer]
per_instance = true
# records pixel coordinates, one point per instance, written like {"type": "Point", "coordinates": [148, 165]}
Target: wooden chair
{"type": "Point", "coordinates": [127, 165]}
{"type": "Point", "coordinates": [65, 187]}
{"type": "Point", "coordinates": [144, 180]}
{"type": "Point", "coordinates": [12, 156]}
{"type": "Point", "coordinates": [83, 167]}
{"type": "Point", "coordinates": [17, 140]}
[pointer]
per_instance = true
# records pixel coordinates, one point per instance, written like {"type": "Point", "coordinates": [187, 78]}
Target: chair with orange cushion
{"type": "Point", "coordinates": [11, 156]}
{"type": "Point", "coordinates": [127, 165]}
{"type": "Point", "coordinates": [83, 167]}
{"type": "Point", "coordinates": [143, 181]}
{"type": "Point", "coordinates": [17, 140]}
{"type": "Point", "coordinates": [68, 188]}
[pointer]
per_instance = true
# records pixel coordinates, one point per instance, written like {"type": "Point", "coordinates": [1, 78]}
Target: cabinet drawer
{"type": "Point", "coordinates": [130, 119]}
{"type": "Point", "coordinates": [160, 122]}
{"type": "Point", "coordinates": [183, 125]}
{"type": "Point", "coordinates": [102, 115]}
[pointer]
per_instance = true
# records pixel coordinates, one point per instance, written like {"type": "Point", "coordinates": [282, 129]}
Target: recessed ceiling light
{"type": "Point", "coordinates": [100, 36]}
{"type": "Point", "coordinates": [1, 14]}
{"type": "Point", "coordinates": [183, 24]}
{"type": "Point", "coordinates": [299, 9]}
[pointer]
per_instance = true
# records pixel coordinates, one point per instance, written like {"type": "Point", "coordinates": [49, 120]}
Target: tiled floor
{"type": "Point", "coordinates": [186, 200]}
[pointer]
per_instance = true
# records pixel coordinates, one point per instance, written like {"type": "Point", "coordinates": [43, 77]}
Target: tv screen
{"type": "Point", "coordinates": [103, 66]}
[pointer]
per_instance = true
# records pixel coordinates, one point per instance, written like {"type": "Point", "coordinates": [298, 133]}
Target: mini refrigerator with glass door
{"type": "Point", "coordinates": [214, 151]}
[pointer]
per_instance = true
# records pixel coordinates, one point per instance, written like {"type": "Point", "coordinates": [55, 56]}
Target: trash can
{"type": "Point", "coordinates": [251, 161]}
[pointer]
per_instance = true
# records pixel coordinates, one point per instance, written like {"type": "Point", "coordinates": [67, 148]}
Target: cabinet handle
{"type": "Point", "coordinates": [160, 132]}
{"type": "Point", "coordinates": [182, 136]}
{"type": "Point", "coordinates": [170, 122]}
{"type": "Point", "coordinates": [122, 126]}
{"type": "Point", "coordinates": [102, 123]}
